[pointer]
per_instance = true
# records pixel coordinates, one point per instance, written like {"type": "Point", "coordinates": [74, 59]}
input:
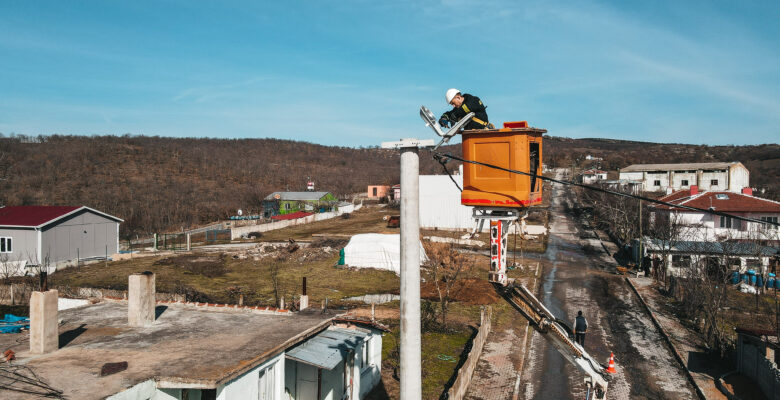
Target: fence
{"type": "Point", "coordinates": [753, 363]}
{"type": "Point", "coordinates": [240, 231]}
{"type": "Point", "coordinates": [459, 388]}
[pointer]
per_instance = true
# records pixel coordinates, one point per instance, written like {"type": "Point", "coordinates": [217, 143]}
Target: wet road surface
{"type": "Point", "coordinates": [578, 276]}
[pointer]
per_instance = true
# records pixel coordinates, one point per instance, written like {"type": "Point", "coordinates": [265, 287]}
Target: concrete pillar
{"type": "Point", "coordinates": [411, 340]}
{"type": "Point", "coordinates": [189, 242]}
{"type": "Point", "coordinates": [304, 302]}
{"type": "Point", "coordinates": [141, 299]}
{"type": "Point", "coordinates": [44, 335]}
{"type": "Point", "coordinates": [155, 242]}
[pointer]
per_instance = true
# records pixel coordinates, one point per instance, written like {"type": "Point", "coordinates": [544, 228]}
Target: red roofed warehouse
{"type": "Point", "coordinates": [55, 235]}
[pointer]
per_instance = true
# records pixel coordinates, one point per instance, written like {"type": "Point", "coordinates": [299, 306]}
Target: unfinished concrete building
{"type": "Point", "coordinates": [198, 351]}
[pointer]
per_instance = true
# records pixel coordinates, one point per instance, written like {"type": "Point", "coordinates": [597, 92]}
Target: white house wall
{"type": "Point", "coordinates": [246, 386]}
{"type": "Point", "coordinates": [24, 244]}
{"type": "Point", "coordinates": [370, 377]}
{"type": "Point", "coordinates": [739, 177]}
{"type": "Point", "coordinates": [333, 383]}
{"type": "Point", "coordinates": [440, 203]}
{"type": "Point", "coordinates": [706, 227]}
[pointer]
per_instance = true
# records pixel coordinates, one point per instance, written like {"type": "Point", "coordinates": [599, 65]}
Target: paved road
{"type": "Point", "coordinates": [577, 276]}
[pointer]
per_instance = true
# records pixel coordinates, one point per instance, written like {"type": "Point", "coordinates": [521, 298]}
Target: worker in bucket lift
{"type": "Point", "coordinates": [580, 328]}
{"type": "Point", "coordinates": [463, 104]}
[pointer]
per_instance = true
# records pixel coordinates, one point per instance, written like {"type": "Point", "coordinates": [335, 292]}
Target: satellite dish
{"type": "Point", "coordinates": [240, 213]}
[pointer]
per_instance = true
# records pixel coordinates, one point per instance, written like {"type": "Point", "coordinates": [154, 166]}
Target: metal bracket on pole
{"type": "Point", "coordinates": [430, 120]}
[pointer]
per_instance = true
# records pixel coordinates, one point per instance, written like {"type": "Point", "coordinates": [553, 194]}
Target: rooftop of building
{"type": "Point", "coordinates": [681, 166]}
{"type": "Point", "coordinates": [296, 196]}
{"type": "Point", "coordinates": [187, 346]}
{"type": "Point", "coordinates": [721, 201]}
{"type": "Point", "coordinates": [37, 216]}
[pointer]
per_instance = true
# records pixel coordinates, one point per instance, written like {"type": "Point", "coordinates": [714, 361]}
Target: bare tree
{"type": "Point", "coordinates": [445, 267]}
{"type": "Point", "coordinates": [666, 229]}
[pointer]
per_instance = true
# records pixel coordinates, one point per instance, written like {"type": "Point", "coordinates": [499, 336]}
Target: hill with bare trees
{"type": "Point", "coordinates": [159, 183]}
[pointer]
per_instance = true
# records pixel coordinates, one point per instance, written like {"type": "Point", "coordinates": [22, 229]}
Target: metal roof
{"type": "Point", "coordinates": [681, 166]}
{"type": "Point", "coordinates": [727, 248]}
{"type": "Point", "coordinates": [296, 196]}
{"type": "Point", "coordinates": [731, 202]}
{"type": "Point", "coordinates": [38, 216]}
{"type": "Point", "coordinates": [328, 348]}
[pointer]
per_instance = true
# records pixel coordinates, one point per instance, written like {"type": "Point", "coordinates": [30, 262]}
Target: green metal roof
{"type": "Point", "coordinates": [296, 196]}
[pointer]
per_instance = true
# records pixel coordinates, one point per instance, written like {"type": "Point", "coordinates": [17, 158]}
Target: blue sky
{"type": "Point", "coordinates": [354, 73]}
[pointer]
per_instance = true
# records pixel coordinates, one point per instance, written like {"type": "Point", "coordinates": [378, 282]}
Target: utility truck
{"type": "Point", "coordinates": [500, 180]}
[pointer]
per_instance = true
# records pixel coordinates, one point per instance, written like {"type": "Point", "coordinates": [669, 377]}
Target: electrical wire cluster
{"type": "Point", "coordinates": [443, 158]}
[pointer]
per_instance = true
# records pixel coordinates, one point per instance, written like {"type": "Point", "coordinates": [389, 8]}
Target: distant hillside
{"type": "Point", "coordinates": [156, 183]}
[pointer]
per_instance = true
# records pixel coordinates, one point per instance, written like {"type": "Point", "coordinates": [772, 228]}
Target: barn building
{"type": "Point", "coordinates": [57, 235]}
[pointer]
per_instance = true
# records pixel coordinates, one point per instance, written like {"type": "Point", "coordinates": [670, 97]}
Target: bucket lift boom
{"type": "Point", "coordinates": [499, 197]}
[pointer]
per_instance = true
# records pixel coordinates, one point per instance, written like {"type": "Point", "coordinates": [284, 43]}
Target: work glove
{"type": "Point", "coordinates": [445, 123]}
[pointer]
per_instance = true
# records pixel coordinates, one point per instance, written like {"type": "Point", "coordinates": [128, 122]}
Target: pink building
{"type": "Point", "coordinates": [376, 192]}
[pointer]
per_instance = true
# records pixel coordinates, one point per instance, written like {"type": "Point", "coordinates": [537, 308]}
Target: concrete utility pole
{"type": "Point", "coordinates": [411, 337]}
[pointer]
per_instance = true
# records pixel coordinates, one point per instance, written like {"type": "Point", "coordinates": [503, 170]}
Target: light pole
{"type": "Point", "coordinates": [411, 336]}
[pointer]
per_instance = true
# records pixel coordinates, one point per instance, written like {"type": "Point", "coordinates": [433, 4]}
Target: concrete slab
{"type": "Point", "coordinates": [187, 345]}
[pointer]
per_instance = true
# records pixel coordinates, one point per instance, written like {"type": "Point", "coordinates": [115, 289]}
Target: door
{"type": "Point", "coordinates": [307, 382]}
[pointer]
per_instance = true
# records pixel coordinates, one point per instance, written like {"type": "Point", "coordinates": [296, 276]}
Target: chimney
{"type": "Point", "coordinates": [694, 190]}
{"type": "Point", "coordinates": [748, 191]}
{"type": "Point", "coordinates": [44, 335]}
{"type": "Point", "coordinates": [141, 299]}
{"type": "Point", "coordinates": [304, 303]}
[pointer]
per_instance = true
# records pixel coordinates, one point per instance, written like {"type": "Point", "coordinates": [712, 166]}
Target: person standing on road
{"type": "Point", "coordinates": [580, 328]}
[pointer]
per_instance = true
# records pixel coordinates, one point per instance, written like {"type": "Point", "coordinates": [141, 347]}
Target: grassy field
{"type": "Point", "coordinates": [220, 278]}
{"type": "Point", "coordinates": [366, 220]}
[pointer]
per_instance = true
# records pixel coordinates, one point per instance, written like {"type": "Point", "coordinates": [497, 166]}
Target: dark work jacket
{"type": "Point", "coordinates": [580, 324]}
{"type": "Point", "coordinates": [473, 104]}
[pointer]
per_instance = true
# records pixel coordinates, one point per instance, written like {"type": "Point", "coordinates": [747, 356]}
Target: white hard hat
{"type": "Point", "coordinates": [451, 94]}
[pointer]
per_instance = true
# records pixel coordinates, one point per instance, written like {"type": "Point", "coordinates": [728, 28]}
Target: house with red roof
{"type": "Point", "coordinates": [702, 226]}
{"type": "Point", "coordinates": [54, 236]}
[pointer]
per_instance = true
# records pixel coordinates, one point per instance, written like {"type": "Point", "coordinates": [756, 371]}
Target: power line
{"type": "Point", "coordinates": [441, 159]}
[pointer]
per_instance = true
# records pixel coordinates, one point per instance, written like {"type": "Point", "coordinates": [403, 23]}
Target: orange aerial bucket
{"type": "Point", "coordinates": [517, 147]}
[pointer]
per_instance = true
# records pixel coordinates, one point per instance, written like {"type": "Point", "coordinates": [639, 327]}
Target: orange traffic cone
{"type": "Point", "coordinates": [611, 367]}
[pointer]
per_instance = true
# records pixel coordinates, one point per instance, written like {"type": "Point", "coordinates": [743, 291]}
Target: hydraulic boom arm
{"type": "Point", "coordinates": [557, 334]}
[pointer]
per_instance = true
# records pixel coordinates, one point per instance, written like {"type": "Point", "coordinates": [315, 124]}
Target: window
{"type": "Point", "coordinates": [684, 182]}
{"type": "Point", "coordinates": [266, 384]}
{"type": "Point", "coordinates": [713, 182]}
{"type": "Point", "coordinates": [287, 206]}
{"type": "Point", "coordinates": [6, 245]}
{"type": "Point", "coordinates": [726, 222]}
{"type": "Point", "coordinates": [365, 359]}
{"type": "Point", "coordinates": [769, 219]}
{"type": "Point", "coordinates": [657, 182]}
{"type": "Point", "coordinates": [374, 193]}
{"type": "Point", "coordinates": [722, 196]}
